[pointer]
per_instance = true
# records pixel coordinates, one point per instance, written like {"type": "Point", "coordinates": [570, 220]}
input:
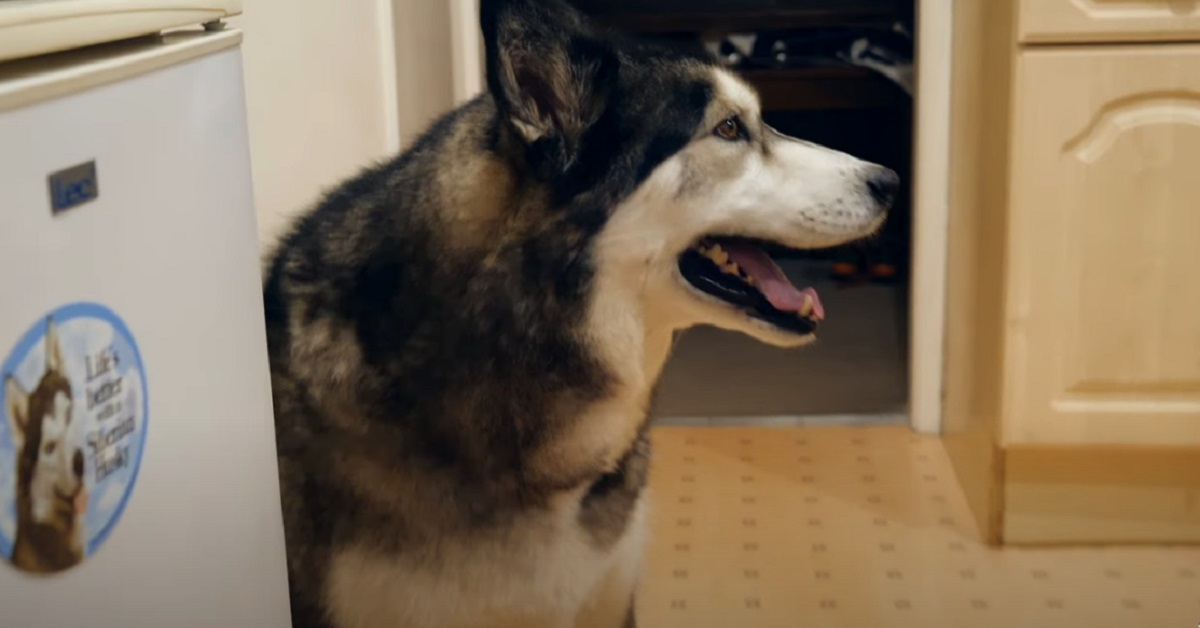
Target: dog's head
{"type": "Point", "coordinates": [49, 462]}
{"type": "Point", "coordinates": [692, 180]}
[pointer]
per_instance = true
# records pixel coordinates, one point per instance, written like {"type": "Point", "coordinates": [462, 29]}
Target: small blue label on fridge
{"type": "Point", "coordinates": [73, 187]}
{"type": "Point", "coordinates": [75, 416]}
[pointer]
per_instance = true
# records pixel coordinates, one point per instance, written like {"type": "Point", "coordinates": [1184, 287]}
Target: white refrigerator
{"type": "Point", "coordinates": [138, 484]}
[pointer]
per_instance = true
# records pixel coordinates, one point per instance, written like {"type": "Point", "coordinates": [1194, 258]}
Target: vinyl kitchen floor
{"type": "Point", "coordinates": [830, 527]}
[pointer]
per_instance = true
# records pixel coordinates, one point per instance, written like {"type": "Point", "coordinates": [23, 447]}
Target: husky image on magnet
{"type": "Point", "coordinates": [74, 405]}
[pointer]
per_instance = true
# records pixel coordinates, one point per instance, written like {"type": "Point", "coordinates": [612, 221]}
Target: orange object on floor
{"type": "Point", "coordinates": [883, 271]}
{"type": "Point", "coordinates": [844, 269]}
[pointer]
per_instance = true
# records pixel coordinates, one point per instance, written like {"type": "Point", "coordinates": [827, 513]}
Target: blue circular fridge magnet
{"type": "Point", "coordinates": [71, 441]}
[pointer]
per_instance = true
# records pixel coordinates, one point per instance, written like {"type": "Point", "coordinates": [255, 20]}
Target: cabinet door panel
{"type": "Point", "coordinates": [1108, 20]}
{"type": "Point", "coordinates": [1104, 248]}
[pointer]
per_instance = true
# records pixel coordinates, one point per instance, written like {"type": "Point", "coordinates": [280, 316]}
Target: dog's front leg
{"type": "Point", "coordinates": [611, 605]}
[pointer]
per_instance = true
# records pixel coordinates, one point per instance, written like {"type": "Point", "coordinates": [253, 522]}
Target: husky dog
{"type": "Point", "coordinates": [51, 497]}
{"type": "Point", "coordinates": [464, 340]}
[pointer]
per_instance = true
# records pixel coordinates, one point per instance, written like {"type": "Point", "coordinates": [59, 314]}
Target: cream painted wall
{"type": "Point", "coordinates": [321, 98]}
{"type": "Point", "coordinates": [424, 60]}
{"type": "Point", "coordinates": [469, 59]}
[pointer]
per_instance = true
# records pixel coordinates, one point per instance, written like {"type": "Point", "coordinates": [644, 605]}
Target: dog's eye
{"type": "Point", "coordinates": [49, 448]}
{"type": "Point", "coordinates": [729, 129]}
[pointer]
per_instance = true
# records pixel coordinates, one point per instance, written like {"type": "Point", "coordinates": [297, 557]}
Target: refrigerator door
{"type": "Point", "coordinates": [35, 27]}
{"type": "Point", "coordinates": [138, 481]}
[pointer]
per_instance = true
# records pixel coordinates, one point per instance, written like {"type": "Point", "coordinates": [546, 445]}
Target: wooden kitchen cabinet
{"type": "Point", "coordinates": [1103, 300]}
{"type": "Point", "coordinates": [1072, 394]}
{"type": "Point", "coordinates": [1055, 21]}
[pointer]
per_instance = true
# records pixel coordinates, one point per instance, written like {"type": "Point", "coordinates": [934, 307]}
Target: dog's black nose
{"type": "Point", "coordinates": [77, 463]}
{"type": "Point", "coordinates": [883, 184]}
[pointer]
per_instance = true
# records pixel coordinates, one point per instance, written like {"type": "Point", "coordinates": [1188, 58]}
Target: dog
{"type": "Point", "coordinates": [464, 341]}
{"type": "Point", "coordinates": [50, 491]}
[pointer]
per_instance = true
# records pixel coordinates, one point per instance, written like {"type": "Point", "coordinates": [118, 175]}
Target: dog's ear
{"type": "Point", "coordinates": [550, 75]}
{"type": "Point", "coordinates": [16, 406]}
{"type": "Point", "coordinates": [54, 356]}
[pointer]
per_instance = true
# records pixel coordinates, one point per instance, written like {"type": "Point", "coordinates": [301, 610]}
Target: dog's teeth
{"type": "Point", "coordinates": [807, 308]}
{"type": "Point", "coordinates": [723, 261]}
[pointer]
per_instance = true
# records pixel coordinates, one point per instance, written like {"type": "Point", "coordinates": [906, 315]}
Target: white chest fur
{"type": "Point", "coordinates": [540, 573]}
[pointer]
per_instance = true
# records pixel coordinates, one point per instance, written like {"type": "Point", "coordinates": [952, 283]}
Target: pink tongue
{"type": "Point", "coordinates": [769, 278]}
{"type": "Point", "coordinates": [81, 501]}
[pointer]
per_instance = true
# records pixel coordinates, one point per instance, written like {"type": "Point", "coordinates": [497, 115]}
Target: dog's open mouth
{"type": "Point", "coordinates": [739, 272]}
